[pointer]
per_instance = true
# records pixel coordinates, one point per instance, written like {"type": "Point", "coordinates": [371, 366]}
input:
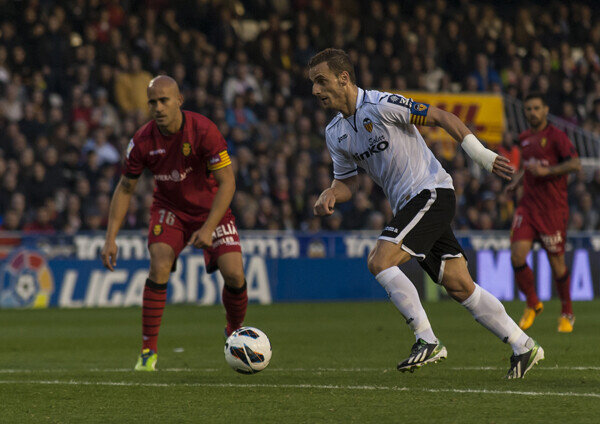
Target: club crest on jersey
{"type": "Point", "coordinates": [157, 230]}
{"type": "Point", "coordinates": [186, 149]}
{"type": "Point", "coordinates": [543, 141]}
{"type": "Point", "coordinates": [368, 124]}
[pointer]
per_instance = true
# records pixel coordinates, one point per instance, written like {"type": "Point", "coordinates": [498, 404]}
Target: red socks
{"type": "Point", "coordinates": [235, 301]}
{"type": "Point", "coordinates": [563, 287]}
{"type": "Point", "coordinates": [526, 283]}
{"type": "Point", "coordinates": [155, 296]}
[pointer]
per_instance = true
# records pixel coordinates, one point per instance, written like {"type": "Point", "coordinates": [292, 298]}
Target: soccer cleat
{"type": "Point", "coordinates": [520, 364]}
{"type": "Point", "coordinates": [147, 361]}
{"type": "Point", "coordinates": [529, 315]}
{"type": "Point", "coordinates": [565, 323]}
{"type": "Point", "coordinates": [423, 353]}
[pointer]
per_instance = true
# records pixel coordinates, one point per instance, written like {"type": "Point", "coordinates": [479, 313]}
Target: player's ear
{"type": "Point", "coordinates": [343, 78]}
{"type": "Point", "coordinates": [180, 99]}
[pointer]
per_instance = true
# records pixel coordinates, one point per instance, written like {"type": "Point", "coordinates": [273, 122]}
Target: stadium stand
{"type": "Point", "coordinates": [72, 92]}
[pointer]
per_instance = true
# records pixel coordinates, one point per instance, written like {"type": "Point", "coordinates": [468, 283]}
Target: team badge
{"type": "Point", "coordinates": [543, 142]}
{"type": "Point", "coordinates": [368, 124]}
{"type": "Point", "coordinates": [157, 230]}
{"type": "Point", "coordinates": [420, 107]}
{"type": "Point", "coordinates": [186, 149]}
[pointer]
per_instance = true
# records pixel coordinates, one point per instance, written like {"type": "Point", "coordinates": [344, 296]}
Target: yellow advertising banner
{"type": "Point", "coordinates": [482, 113]}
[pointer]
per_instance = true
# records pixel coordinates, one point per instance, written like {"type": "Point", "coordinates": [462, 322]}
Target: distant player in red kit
{"type": "Point", "coordinates": [547, 157]}
{"type": "Point", "coordinates": [194, 185]}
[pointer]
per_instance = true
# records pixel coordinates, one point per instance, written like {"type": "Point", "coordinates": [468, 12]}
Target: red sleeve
{"type": "Point", "coordinates": [564, 148]}
{"type": "Point", "coordinates": [215, 148]}
{"type": "Point", "coordinates": [134, 160]}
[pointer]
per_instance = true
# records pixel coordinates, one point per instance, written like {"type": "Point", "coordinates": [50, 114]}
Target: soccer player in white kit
{"type": "Point", "coordinates": [376, 131]}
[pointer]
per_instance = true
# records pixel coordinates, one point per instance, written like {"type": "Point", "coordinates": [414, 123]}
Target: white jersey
{"type": "Point", "coordinates": [381, 138]}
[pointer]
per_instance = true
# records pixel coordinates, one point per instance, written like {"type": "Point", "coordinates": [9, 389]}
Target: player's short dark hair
{"type": "Point", "coordinates": [536, 95]}
{"type": "Point", "coordinates": [337, 60]}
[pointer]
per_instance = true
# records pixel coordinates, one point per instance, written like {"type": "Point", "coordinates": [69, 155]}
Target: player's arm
{"type": "Point", "coordinates": [118, 209]}
{"type": "Point", "coordinates": [570, 165]}
{"type": "Point", "coordinates": [340, 191]}
{"type": "Point", "coordinates": [226, 181]}
{"type": "Point", "coordinates": [485, 158]}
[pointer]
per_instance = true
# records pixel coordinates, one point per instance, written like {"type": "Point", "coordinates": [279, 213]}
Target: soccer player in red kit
{"type": "Point", "coordinates": [547, 157]}
{"type": "Point", "coordinates": [194, 185]}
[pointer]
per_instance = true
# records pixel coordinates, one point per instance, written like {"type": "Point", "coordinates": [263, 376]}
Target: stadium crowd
{"type": "Point", "coordinates": [73, 77]}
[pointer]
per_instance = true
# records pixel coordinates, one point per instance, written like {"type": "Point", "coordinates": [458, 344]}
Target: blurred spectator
{"type": "Point", "coordinates": [73, 91]}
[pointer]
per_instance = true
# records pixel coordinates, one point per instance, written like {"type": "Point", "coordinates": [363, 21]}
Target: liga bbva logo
{"type": "Point", "coordinates": [25, 281]}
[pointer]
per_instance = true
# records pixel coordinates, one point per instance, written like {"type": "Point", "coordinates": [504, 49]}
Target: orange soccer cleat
{"type": "Point", "coordinates": [565, 323]}
{"type": "Point", "coordinates": [529, 315]}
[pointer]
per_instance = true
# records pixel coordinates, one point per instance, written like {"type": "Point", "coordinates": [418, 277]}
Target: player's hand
{"type": "Point", "coordinates": [538, 170]}
{"type": "Point", "coordinates": [325, 203]}
{"type": "Point", "coordinates": [201, 238]}
{"type": "Point", "coordinates": [502, 168]}
{"type": "Point", "coordinates": [109, 254]}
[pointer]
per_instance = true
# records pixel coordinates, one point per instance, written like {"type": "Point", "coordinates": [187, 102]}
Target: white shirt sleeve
{"type": "Point", "coordinates": [395, 109]}
{"type": "Point", "coordinates": [343, 167]}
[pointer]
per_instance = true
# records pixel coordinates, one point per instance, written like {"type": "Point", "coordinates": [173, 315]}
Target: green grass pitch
{"type": "Point", "coordinates": [332, 362]}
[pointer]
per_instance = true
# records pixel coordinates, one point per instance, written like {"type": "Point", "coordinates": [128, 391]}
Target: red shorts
{"type": "Point", "coordinates": [550, 230]}
{"type": "Point", "coordinates": [167, 227]}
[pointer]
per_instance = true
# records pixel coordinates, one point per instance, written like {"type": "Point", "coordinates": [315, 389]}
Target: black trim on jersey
{"type": "Point", "coordinates": [345, 173]}
{"type": "Point", "coordinates": [182, 120]}
{"type": "Point", "coordinates": [132, 176]}
{"type": "Point", "coordinates": [354, 127]}
{"type": "Point", "coordinates": [383, 98]}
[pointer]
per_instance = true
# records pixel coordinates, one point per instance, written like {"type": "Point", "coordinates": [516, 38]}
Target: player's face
{"type": "Point", "coordinates": [164, 103]}
{"type": "Point", "coordinates": [535, 112]}
{"type": "Point", "coordinates": [327, 87]}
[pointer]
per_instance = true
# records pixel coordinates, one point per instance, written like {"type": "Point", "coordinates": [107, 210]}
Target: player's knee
{"type": "Point", "coordinates": [234, 277]}
{"type": "Point", "coordinates": [376, 263]}
{"type": "Point", "coordinates": [160, 269]}
{"type": "Point", "coordinates": [517, 259]}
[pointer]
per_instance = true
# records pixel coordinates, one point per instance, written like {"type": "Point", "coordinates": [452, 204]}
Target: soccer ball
{"type": "Point", "coordinates": [248, 350]}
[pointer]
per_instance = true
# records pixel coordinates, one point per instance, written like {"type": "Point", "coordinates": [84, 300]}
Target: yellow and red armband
{"type": "Point", "coordinates": [218, 161]}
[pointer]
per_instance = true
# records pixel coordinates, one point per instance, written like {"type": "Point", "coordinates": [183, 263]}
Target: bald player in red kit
{"type": "Point", "coordinates": [543, 212]}
{"type": "Point", "coordinates": [194, 185]}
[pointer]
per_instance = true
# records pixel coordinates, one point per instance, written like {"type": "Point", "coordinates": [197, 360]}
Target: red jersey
{"type": "Point", "coordinates": [549, 147]}
{"type": "Point", "coordinates": [181, 163]}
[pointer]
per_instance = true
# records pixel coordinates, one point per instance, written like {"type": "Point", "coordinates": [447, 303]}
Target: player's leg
{"type": "Point", "coordinates": [562, 279]}
{"type": "Point", "coordinates": [165, 241]}
{"type": "Point", "coordinates": [489, 312]}
{"type": "Point", "coordinates": [225, 254]}
{"type": "Point", "coordinates": [521, 237]}
{"type": "Point", "coordinates": [383, 263]}
{"type": "Point", "coordinates": [411, 233]}
{"type": "Point", "coordinates": [235, 292]}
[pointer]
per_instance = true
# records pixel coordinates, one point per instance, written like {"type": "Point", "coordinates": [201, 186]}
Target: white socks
{"type": "Point", "coordinates": [489, 312]}
{"type": "Point", "coordinates": [404, 295]}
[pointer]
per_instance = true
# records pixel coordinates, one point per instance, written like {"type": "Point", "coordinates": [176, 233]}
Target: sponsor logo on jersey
{"type": "Point", "coordinates": [543, 141]}
{"type": "Point", "coordinates": [129, 148]}
{"type": "Point", "coordinates": [375, 148]}
{"type": "Point", "coordinates": [157, 152]}
{"type": "Point", "coordinates": [186, 149]}
{"type": "Point", "coordinates": [175, 175]}
{"type": "Point", "coordinates": [157, 230]}
{"type": "Point", "coordinates": [368, 124]}
{"type": "Point", "coordinates": [391, 229]}
{"type": "Point", "coordinates": [342, 138]}
{"type": "Point", "coordinates": [400, 101]}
